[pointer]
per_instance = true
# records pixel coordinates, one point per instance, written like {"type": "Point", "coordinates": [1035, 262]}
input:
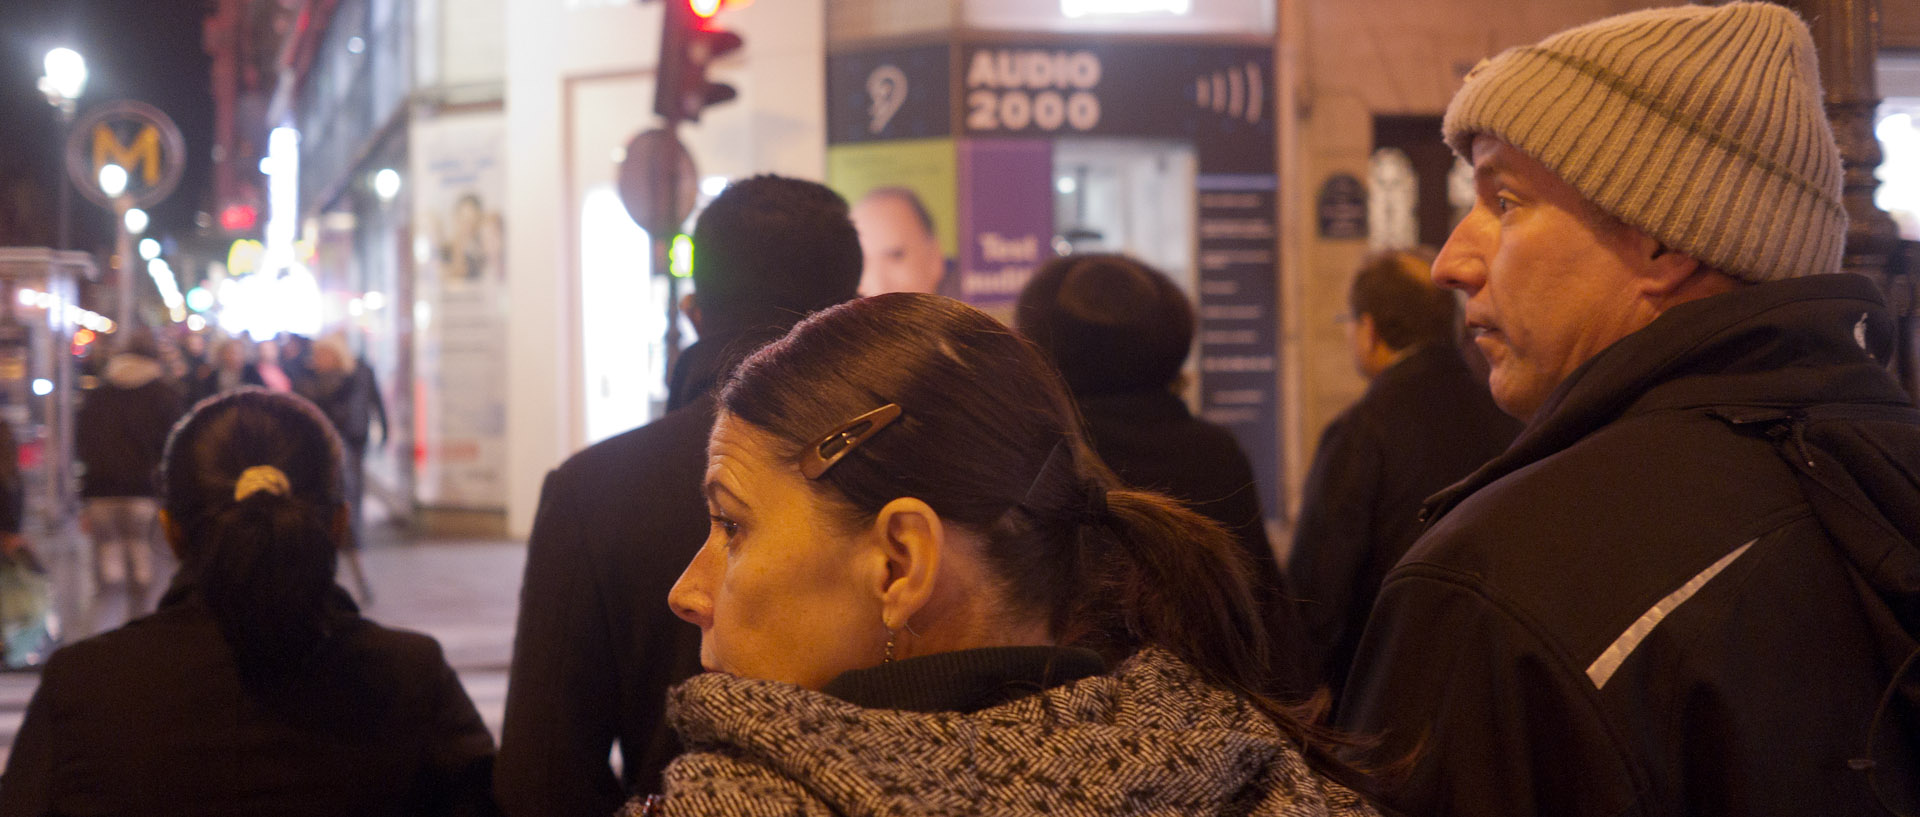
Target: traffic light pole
{"type": "Point", "coordinates": [689, 42]}
{"type": "Point", "coordinates": [662, 243]}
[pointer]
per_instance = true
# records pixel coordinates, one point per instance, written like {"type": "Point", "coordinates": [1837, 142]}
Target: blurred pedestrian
{"type": "Point", "coordinates": [1692, 585]}
{"type": "Point", "coordinates": [596, 649]}
{"type": "Point", "coordinates": [13, 493]}
{"type": "Point", "coordinates": [923, 593]}
{"type": "Point", "coordinates": [120, 431]}
{"type": "Point", "coordinates": [227, 370]}
{"type": "Point", "coordinates": [1119, 332]}
{"type": "Point", "coordinates": [296, 355]}
{"type": "Point", "coordinates": [1424, 423]}
{"type": "Point", "coordinates": [346, 392]}
{"type": "Point", "coordinates": [268, 366]}
{"type": "Point", "coordinates": [257, 688]}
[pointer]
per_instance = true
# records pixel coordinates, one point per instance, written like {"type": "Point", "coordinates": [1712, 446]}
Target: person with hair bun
{"type": "Point", "coordinates": [257, 687]}
{"type": "Point", "coordinates": [923, 593]}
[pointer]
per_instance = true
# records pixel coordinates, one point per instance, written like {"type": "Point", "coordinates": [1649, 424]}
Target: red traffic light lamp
{"type": "Point", "coordinates": [689, 42]}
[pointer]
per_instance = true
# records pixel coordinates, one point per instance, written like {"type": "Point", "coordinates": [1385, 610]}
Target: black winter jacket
{"type": "Point", "coordinates": [597, 647]}
{"type": "Point", "coordinates": [1152, 441]}
{"type": "Point", "coordinates": [1644, 607]}
{"type": "Point", "coordinates": [1425, 423]}
{"type": "Point", "coordinates": [154, 719]}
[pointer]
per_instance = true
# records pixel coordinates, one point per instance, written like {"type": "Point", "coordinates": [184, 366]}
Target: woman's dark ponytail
{"type": "Point", "coordinates": [1172, 578]}
{"type": "Point", "coordinates": [265, 567]}
{"type": "Point", "coordinates": [252, 486]}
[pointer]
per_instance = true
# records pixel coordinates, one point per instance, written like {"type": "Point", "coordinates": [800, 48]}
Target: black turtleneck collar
{"type": "Point", "coordinates": [711, 359]}
{"type": "Point", "coordinates": [965, 680]}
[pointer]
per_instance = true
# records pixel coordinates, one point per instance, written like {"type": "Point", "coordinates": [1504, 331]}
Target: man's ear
{"type": "Point", "coordinates": [912, 539]}
{"type": "Point", "coordinates": [690, 307]}
{"type": "Point", "coordinates": [342, 528]}
{"type": "Point", "coordinates": [176, 538]}
{"type": "Point", "coordinates": [1365, 331]}
{"type": "Point", "coordinates": [1666, 270]}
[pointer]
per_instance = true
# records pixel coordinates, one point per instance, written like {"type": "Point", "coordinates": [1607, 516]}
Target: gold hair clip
{"type": "Point", "coordinates": [822, 455]}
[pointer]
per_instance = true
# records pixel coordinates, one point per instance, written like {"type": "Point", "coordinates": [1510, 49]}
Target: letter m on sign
{"type": "Point", "coordinates": [142, 157]}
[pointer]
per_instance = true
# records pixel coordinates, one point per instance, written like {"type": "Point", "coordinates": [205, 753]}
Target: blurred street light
{"type": "Point", "coordinates": [149, 248]}
{"type": "Point", "coordinates": [136, 221]}
{"type": "Point", "coordinates": [65, 78]}
{"type": "Point", "coordinates": [113, 180]}
{"type": "Point", "coordinates": [386, 184]}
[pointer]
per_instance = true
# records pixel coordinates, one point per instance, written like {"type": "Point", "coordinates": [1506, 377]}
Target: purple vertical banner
{"type": "Point", "coordinates": [1006, 217]}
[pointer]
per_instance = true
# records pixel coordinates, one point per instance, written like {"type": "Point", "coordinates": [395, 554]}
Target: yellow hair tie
{"type": "Point", "coordinates": [261, 478]}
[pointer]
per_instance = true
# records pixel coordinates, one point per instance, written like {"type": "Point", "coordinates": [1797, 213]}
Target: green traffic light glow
{"type": "Point", "coordinates": [680, 256]}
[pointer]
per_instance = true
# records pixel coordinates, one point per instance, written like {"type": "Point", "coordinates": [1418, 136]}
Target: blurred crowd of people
{"type": "Point", "coordinates": [134, 393]}
{"type": "Point", "coordinates": [1647, 547]}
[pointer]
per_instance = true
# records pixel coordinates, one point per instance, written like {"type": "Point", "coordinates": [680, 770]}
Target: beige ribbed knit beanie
{"type": "Point", "coordinates": [1701, 126]}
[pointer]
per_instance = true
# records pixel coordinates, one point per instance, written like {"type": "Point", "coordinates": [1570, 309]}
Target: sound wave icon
{"type": "Point", "coordinates": [1237, 92]}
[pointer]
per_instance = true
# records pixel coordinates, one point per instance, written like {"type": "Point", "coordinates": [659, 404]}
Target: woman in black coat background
{"type": "Point", "coordinates": [257, 687]}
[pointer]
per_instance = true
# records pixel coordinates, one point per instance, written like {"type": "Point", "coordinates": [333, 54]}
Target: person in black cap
{"type": "Point", "coordinates": [1119, 332]}
{"type": "Point", "coordinates": [596, 646]}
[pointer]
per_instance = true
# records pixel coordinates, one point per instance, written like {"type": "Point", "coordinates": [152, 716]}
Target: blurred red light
{"type": "Point", "coordinates": [83, 337]}
{"type": "Point", "coordinates": [705, 9]}
{"type": "Point", "coordinates": [238, 217]}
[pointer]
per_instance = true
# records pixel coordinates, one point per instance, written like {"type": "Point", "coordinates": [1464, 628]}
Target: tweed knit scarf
{"type": "Point", "coordinates": [1151, 738]}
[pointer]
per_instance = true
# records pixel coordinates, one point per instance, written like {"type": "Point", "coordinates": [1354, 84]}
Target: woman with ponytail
{"type": "Point", "coordinates": [923, 593]}
{"type": "Point", "coordinates": [257, 687]}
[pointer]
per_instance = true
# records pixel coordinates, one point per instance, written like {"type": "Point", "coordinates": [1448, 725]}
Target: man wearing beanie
{"type": "Point", "coordinates": [1692, 585]}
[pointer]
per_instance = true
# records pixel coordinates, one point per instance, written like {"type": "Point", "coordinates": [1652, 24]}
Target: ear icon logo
{"type": "Point", "coordinates": [887, 87]}
{"type": "Point", "coordinates": [1237, 92]}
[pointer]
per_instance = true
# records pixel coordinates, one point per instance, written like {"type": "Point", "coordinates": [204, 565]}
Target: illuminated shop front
{"type": "Point", "coordinates": [1032, 130]}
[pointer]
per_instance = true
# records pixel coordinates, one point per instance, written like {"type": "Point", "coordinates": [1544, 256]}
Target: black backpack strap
{"type": "Point", "coordinates": [1883, 550]}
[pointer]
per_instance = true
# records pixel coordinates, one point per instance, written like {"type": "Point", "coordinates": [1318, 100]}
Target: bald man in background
{"type": "Point", "coordinates": [901, 250]}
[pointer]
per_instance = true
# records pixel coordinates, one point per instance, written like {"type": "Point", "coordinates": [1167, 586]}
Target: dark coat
{"type": "Point", "coordinates": [1425, 423]}
{"type": "Point", "coordinates": [1641, 608]}
{"type": "Point", "coordinates": [122, 426]}
{"type": "Point", "coordinates": [597, 646]}
{"type": "Point", "coordinates": [206, 381]}
{"type": "Point", "coordinates": [153, 718]}
{"type": "Point", "coordinates": [351, 401]}
{"type": "Point", "coordinates": [1152, 441]}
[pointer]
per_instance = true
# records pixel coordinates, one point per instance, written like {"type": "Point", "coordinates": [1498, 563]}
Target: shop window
{"type": "Point", "coordinates": [1392, 202]}
{"type": "Point", "coordinates": [1436, 206]}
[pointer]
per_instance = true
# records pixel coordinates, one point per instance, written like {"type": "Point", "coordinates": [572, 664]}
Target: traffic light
{"type": "Point", "coordinates": [689, 43]}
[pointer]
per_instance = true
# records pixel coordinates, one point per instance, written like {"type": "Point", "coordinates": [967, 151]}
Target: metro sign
{"type": "Point", "coordinates": [135, 136]}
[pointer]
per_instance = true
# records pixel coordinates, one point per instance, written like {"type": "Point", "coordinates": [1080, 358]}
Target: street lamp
{"type": "Point", "coordinates": [113, 182]}
{"type": "Point", "coordinates": [65, 78]}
